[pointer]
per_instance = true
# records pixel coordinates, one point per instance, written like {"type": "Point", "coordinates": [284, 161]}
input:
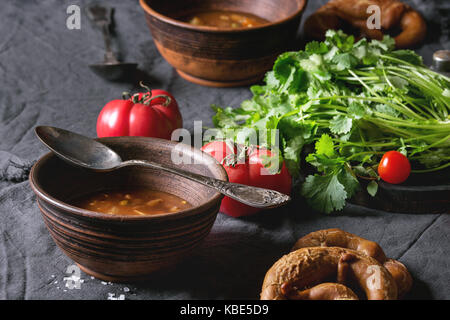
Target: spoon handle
{"type": "Point", "coordinates": [252, 196]}
{"type": "Point", "coordinates": [102, 17]}
{"type": "Point", "coordinates": [109, 54]}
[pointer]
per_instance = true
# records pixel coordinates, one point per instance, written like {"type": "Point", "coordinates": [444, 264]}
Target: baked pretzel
{"type": "Point", "coordinates": [337, 14]}
{"type": "Point", "coordinates": [298, 275]}
{"type": "Point", "coordinates": [339, 238]}
{"type": "Point", "coordinates": [323, 291]}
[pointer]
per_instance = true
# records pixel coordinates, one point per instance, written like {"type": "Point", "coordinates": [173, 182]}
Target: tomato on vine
{"type": "Point", "coordinates": [153, 113]}
{"type": "Point", "coordinates": [248, 165]}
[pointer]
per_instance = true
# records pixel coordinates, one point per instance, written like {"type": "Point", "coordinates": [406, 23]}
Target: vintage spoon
{"type": "Point", "coordinates": [91, 154]}
{"type": "Point", "coordinates": [111, 68]}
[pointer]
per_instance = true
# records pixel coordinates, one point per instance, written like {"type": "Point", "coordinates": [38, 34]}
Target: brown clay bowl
{"type": "Point", "coordinates": [126, 248]}
{"type": "Point", "coordinates": [222, 57]}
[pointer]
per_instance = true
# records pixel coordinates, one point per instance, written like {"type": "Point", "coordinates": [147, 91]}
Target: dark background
{"type": "Point", "coordinates": [44, 80]}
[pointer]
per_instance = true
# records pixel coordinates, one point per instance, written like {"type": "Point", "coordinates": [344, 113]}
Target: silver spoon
{"type": "Point", "coordinates": [91, 154]}
{"type": "Point", "coordinates": [111, 68]}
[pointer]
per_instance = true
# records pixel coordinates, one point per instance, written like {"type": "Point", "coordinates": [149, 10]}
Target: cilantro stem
{"type": "Point", "coordinates": [400, 132]}
{"type": "Point", "coordinates": [432, 145]}
{"type": "Point", "coordinates": [331, 106]}
{"type": "Point", "coordinates": [440, 127]}
{"type": "Point", "coordinates": [363, 153]}
{"type": "Point", "coordinates": [388, 144]}
{"type": "Point", "coordinates": [403, 110]}
{"type": "Point", "coordinates": [365, 144]}
{"type": "Point", "coordinates": [445, 165]}
{"type": "Point", "coordinates": [363, 83]}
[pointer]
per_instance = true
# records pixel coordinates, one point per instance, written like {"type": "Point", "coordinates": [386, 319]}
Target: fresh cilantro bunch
{"type": "Point", "coordinates": [340, 105]}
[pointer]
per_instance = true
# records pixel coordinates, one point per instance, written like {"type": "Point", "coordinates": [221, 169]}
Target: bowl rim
{"type": "Point", "coordinates": [117, 217]}
{"type": "Point", "coordinates": [185, 25]}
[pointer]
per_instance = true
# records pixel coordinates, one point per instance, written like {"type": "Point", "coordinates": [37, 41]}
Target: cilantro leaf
{"type": "Point", "coordinates": [340, 124]}
{"type": "Point", "coordinates": [407, 56]}
{"type": "Point", "coordinates": [324, 163]}
{"type": "Point", "coordinates": [398, 82]}
{"type": "Point", "coordinates": [372, 188]}
{"type": "Point", "coordinates": [292, 153]}
{"type": "Point", "coordinates": [316, 47]}
{"type": "Point", "coordinates": [325, 145]}
{"type": "Point", "coordinates": [384, 108]}
{"type": "Point", "coordinates": [344, 61]}
{"type": "Point", "coordinates": [324, 193]}
{"type": "Point", "coordinates": [356, 110]}
{"type": "Point", "coordinates": [350, 183]}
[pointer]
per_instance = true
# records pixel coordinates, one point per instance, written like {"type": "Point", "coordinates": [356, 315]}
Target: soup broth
{"type": "Point", "coordinates": [137, 202]}
{"type": "Point", "coordinates": [224, 19]}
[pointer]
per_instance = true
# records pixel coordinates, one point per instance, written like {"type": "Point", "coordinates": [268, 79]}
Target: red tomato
{"type": "Point", "coordinates": [394, 167]}
{"type": "Point", "coordinates": [250, 172]}
{"type": "Point", "coordinates": [151, 114]}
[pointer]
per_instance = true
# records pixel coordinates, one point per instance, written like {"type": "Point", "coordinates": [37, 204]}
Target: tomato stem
{"type": "Point", "coordinates": [146, 98]}
{"type": "Point", "coordinates": [135, 98]}
{"type": "Point", "coordinates": [166, 103]}
{"type": "Point", "coordinates": [144, 86]}
{"type": "Point", "coordinates": [126, 95]}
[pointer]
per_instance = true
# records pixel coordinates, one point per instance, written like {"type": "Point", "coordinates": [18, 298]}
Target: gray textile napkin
{"type": "Point", "coordinates": [13, 168]}
{"type": "Point", "coordinates": [45, 81]}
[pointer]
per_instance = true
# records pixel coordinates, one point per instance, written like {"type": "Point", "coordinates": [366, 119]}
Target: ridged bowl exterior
{"type": "Point", "coordinates": [126, 248]}
{"type": "Point", "coordinates": [218, 57]}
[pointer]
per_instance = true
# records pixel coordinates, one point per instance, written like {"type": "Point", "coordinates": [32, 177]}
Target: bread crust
{"type": "Point", "coordinates": [336, 13]}
{"type": "Point", "coordinates": [307, 267]}
{"type": "Point", "coordinates": [339, 238]}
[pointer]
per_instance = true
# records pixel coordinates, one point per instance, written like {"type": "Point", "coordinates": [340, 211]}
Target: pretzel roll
{"type": "Point", "coordinates": [339, 238]}
{"type": "Point", "coordinates": [323, 291]}
{"type": "Point", "coordinates": [319, 22]}
{"type": "Point", "coordinates": [413, 32]}
{"type": "Point", "coordinates": [351, 10]}
{"type": "Point", "coordinates": [308, 267]}
{"type": "Point", "coordinates": [400, 274]}
{"type": "Point", "coordinates": [394, 14]}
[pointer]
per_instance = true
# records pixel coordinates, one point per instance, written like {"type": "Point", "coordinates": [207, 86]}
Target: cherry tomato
{"type": "Point", "coordinates": [250, 171]}
{"type": "Point", "coordinates": [394, 167]}
{"type": "Point", "coordinates": [151, 114]}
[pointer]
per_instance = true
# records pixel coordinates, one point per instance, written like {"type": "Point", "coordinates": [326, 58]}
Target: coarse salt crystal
{"type": "Point", "coordinates": [112, 296]}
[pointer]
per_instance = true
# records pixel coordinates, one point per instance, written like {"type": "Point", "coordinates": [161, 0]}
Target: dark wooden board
{"type": "Point", "coordinates": [421, 193]}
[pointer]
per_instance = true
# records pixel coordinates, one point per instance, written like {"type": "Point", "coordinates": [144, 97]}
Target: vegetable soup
{"type": "Point", "coordinates": [137, 202]}
{"type": "Point", "coordinates": [224, 19]}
